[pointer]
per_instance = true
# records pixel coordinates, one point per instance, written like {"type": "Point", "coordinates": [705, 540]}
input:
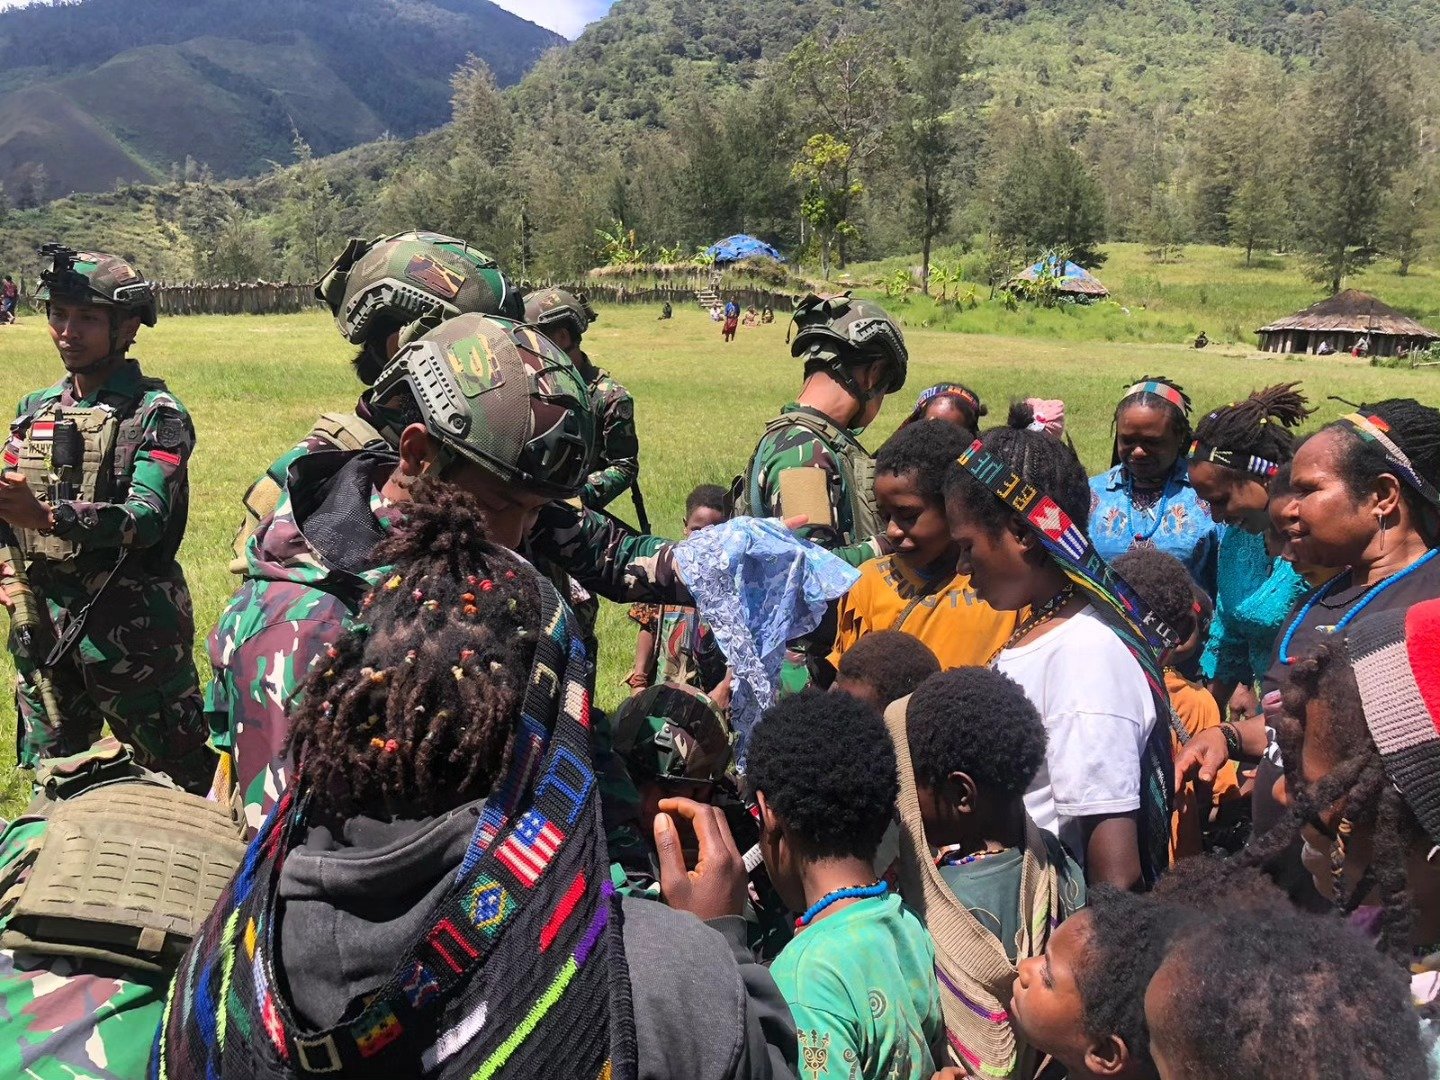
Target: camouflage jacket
{"type": "Point", "coordinates": [155, 496]}
{"type": "Point", "coordinates": [71, 1019]}
{"type": "Point", "coordinates": [306, 576]}
{"type": "Point", "coordinates": [619, 449]}
{"type": "Point", "coordinates": [796, 447]}
{"type": "Point", "coordinates": [606, 556]}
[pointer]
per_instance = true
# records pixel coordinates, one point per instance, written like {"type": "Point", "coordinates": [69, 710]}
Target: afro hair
{"type": "Point", "coordinates": [1249, 996]}
{"type": "Point", "coordinates": [826, 766]}
{"type": "Point", "coordinates": [893, 662]}
{"type": "Point", "coordinates": [927, 449]}
{"type": "Point", "coordinates": [978, 722]}
{"type": "Point", "coordinates": [1163, 583]}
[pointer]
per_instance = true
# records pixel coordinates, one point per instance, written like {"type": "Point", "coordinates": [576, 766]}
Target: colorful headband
{"type": "Point", "coordinates": [1374, 429]}
{"type": "Point", "coordinates": [1068, 545]}
{"type": "Point", "coordinates": [949, 390]}
{"type": "Point", "coordinates": [1159, 389]}
{"type": "Point", "coordinates": [1233, 459]}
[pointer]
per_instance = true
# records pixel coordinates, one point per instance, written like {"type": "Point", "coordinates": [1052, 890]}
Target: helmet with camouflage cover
{"type": "Point", "coordinates": [412, 282]}
{"type": "Point", "coordinates": [551, 308]}
{"type": "Point", "coordinates": [672, 732]}
{"type": "Point", "coordinates": [94, 277]}
{"type": "Point", "coordinates": [497, 393]}
{"type": "Point", "coordinates": [845, 332]}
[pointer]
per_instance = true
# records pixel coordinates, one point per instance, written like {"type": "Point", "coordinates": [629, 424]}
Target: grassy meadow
{"type": "Point", "coordinates": [254, 385]}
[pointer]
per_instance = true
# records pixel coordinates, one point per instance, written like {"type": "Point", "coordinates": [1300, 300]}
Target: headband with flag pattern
{"type": "Point", "coordinates": [1374, 429]}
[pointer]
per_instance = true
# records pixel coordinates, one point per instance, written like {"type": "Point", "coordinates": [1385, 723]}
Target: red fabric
{"type": "Point", "coordinates": [165, 457]}
{"type": "Point", "coordinates": [1422, 644]}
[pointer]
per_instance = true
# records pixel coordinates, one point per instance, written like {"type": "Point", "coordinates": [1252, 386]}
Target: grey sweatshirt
{"type": "Point", "coordinates": [352, 904]}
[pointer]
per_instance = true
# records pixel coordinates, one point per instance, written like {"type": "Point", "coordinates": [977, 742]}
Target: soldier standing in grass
{"type": "Point", "coordinates": [96, 490]}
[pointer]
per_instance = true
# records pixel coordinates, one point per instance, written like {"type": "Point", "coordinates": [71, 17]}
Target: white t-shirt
{"type": "Point", "coordinates": [1098, 712]}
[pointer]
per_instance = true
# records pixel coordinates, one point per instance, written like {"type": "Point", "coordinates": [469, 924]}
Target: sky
{"type": "Point", "coordinates": [566, 17]}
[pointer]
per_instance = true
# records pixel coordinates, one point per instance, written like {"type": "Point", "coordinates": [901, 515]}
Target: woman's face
{"type": "Point", "coordinates": [1235, 498]}
{"type": "Point", "coordinates": [1147, 442]}
{"type": "Point", "coordinates": [1323, 523]}
{"type": "Point", "coordinates": [914, 525]}
{"type": "Point", "coordinates": [995, 562]}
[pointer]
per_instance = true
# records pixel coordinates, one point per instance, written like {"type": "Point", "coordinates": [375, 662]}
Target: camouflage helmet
{"type": "Point", "coordinates": [412, 281]}
{"type": "Point", "coordinates": [497, 393]}
{"type": "Point", "coordinates": [93, 277]}
{"type": "Point", "coordinates": [847, 332]}
{"type": "Point", "coordinates": [672, 732]}
{"type": "Point", "coordinates": [549, 308]}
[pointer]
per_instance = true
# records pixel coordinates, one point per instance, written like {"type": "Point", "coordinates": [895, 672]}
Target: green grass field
{"type": "Point", "coordinates": [255, 384]}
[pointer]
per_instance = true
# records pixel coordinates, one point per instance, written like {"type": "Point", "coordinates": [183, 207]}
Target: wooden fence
{"type": "Point", "coordinates": [680, 297]}
{"type": "Point", "coordinates": [236, 298]}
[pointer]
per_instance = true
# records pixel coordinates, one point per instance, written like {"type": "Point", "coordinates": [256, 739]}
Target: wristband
{"type": "Point", "coordinates": [1232, 739]}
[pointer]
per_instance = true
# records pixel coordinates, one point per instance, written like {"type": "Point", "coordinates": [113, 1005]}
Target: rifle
{"type": "Point", "coordinates": [30, 630]}
{"type": "Point", "coordinates": [639, 500]}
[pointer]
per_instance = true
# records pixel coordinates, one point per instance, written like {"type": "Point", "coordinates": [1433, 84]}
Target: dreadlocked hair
{"type": "Point", "coordinates": [1260, 425]}
{"type": "Point", "coordinates": [413, 711]}
{"type": "Point", "coordinates": [1041, 460]}
{"type": "Point", "coordinates": [1179, 418]}
{"type": "Point", "coordinates": [1358, 782]}
{"type": "Point", "coordinates": [1415, 428]}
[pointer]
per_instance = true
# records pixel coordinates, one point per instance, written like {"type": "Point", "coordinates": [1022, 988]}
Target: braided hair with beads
{"type": "Point", "coordinates": [1253, 435]}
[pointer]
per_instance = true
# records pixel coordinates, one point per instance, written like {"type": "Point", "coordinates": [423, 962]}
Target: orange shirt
{"type": "Point", "coordinates": [960, 628]}
{"type": "Point", "coordinates": [1197, 711]}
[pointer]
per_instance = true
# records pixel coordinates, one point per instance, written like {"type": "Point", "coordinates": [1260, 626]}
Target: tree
{"type": "Point", "coordinates": [823, 170]}
{"type": "Point", "coordinates": [1408, 220]}
{"type": "Point", "coordinates": [844, 83]}
{"type": "Point", "coordinates": [933, 63]}
{"type": "Point", "coordinates": [1360, 131]}
{"type": "Point", "coordinates": [1044, 197]}
{"type": "Point", "coordinates": [309, 215]}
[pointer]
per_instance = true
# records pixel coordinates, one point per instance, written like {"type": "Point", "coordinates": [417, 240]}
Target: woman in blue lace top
{"type": "Point", "coordinates": [1146, 498]}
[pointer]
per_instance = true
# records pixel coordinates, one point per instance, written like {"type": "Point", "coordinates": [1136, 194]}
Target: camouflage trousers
{"type": "Point", "coordinates": [132, 669]}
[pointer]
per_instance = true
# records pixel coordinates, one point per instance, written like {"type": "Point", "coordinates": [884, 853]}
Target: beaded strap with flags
{"type": "Point", "coordinates": [1373, 429]}
{"type": "Point", "coordinates": [519, 972]}
{"type": "Point", "coordinates": [1142, 632]}
{"type": "Point", "coordinates": [1234, 459]}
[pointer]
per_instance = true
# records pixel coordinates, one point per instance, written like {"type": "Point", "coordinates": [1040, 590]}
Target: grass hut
{"type": "Point", "coordinates": [1343, 320]}
{"type": "Point", "coordinates": [1075, 281]}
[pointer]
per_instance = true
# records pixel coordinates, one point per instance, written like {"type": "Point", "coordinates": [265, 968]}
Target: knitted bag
{"type": "Point", "coordinates": [521, 971]}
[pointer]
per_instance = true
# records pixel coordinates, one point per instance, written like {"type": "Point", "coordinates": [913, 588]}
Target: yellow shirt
{"type": "Point", "coordinates": [960, 628]}
{"type": "Point", "coordinates": [1197, 711]}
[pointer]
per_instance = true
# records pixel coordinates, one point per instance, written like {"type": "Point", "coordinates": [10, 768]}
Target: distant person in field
{"type": "Point", "coordinates": [732, 320]}
{"type": "Point", "coordinates": [1325, 349]}
{"type": "Point", "coordinates": [752, 317]}
{"type": "Point", "coordinates": [9, 296]}
{"type": "Point", "coordinates": [1202, 340]}
{"type": "Point", "coordinates": [666, 311]}
{"type": "Point", "coordinates": [767, 314]}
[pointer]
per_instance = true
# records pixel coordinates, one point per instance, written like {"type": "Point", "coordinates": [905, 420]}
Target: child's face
{"type": "Point", "coordinates": [994, 561]}
{"type": "Point", "coordinates": [1046, 1003]}
{"type": "Point", "coordinates": [702, 517]}
{"type": "Point", "coordinates": [914, 525]}
{"type": "Point", "coordinates": [857, 688]}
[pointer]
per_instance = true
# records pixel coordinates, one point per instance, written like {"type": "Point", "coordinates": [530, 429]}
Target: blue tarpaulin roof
{"type": "Point", "coordinates": [737, 247]}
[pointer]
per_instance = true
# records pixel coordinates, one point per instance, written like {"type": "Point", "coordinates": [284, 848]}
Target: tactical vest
{"type": "Point", "coordinates": [112, 439]}
{"type": "Point", "coordinates": [127, 868]}
{"type": "Point", "coordinates": [338, 431]}
{"type": "Point", "coordinates": [857, 475]}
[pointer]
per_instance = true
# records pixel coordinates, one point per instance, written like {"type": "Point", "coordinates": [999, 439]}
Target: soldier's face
{"type": "Point", "coordinates": [81, 333]}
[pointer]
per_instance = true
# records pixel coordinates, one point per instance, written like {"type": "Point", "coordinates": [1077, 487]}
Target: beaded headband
{"type": "Point", "coordinates": [1162, 390]}
{"type": "Point", "coordinates": [949, 390]}
{"type": "Point", "coordinates": [1374, 429]}
{"type": "Point", "coordinates": [1233, 459]}
{"type": "Point", "coordinates": [1067, 544]}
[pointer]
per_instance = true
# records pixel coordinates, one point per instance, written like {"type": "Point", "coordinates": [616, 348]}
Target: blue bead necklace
{"type": "Point", "coordinates": [1136, 509]}
{"type": "Point", "coordinates": [1349, 617]}
{"type": "Point", "coordinates": [848, 893]}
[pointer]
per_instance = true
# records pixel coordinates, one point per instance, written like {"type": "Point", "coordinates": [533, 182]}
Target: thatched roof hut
{"type": "Point", "coordinates": [1341, 322]}
{"type": "Point", "coordinates": [1075, 281]}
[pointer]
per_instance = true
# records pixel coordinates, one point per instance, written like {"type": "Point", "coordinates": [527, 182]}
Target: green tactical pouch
{"type": "Point", "coordinates": [125, 873]}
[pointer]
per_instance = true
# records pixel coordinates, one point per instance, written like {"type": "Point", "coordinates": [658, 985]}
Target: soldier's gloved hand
{"type": "Point", "coordinates": [716, 887]}
{"type": "Point", "coordinates": [19, 506]}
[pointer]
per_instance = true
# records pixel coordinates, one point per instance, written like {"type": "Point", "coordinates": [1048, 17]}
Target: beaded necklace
{"type": "Point", "coordinates": [1047, 611]}
{"type": "Point", "coordinates": [1157, 508]}
{"type": "Point", "coordinates": [1349, 617]}
{"type": "Point", "coordinates": [835, 896]}
{"type": "Point", "coordinates": [951, 858]}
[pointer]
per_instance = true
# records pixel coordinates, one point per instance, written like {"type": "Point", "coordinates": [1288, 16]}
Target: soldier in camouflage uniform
{"type": "Point", "coordinates": [108, 528]}
{"type": "Point", "coordinates": [482, 402]}
{"type": "Point", "coordinates": [810, 461]}
{"type": "Point", "coordinates": [384, 293]}
{"type": "Point", "coordinates": [564, 318]}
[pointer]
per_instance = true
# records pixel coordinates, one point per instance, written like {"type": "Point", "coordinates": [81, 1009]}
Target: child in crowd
{"type": "Point", "coordinates": [883, 667]}
{"type": "Point", "coordinates": [859, 975]}
{"type": "Point", "coordinates": [969, 744]}
{"type": "Point", "coordinates": [916, 589]}
{"type": "Point", "coordinates": [1162, 581]}
{"type": "Point", "coordinates": [1251, 996]}
{"type": "Point", "coordinates": [674, 645]}
{"type": "Point", "coordinates": [1086, 654]}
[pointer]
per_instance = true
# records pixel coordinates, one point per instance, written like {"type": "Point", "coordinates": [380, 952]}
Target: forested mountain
{"type": "Point", "coordinates": [103, 90]}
